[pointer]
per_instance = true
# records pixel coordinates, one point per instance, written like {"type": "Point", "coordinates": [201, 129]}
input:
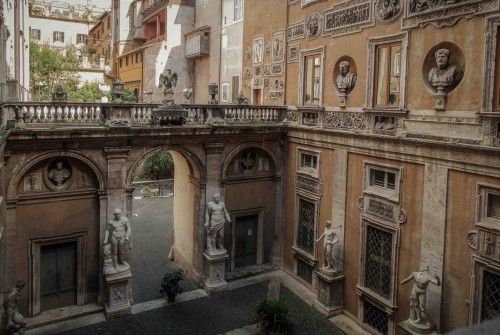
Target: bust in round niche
{"type": "Point", "coordinates": [444, 68]}
{"type": "Point", "coordinates": [58, 174]}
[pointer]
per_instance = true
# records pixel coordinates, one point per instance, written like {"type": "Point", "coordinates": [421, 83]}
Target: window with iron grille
{"type": "Point", "coordinates": [493, 208]}
{"type": "Point", "coordinates": [305, 231]}
{"type": "Point", "coordinates": [381, 178]}
{"type": "Point", "coordinates": [304, 271]}
{"type": "Point", "coordinates": [378, 268]}
{"type": "Point", "coordinates": [308, 163]}
{"type": "Point", "coordinates": [375, 317]}
{"type": "Point", "coordinates": [490, 306]}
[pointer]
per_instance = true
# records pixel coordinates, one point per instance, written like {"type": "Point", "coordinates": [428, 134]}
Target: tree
{"type": "Point", "coordinates": [50, 67]}
{"type": "Point", "coordinates": [159, 163]}
{"type": "Point", "coordinates": [88, 92]}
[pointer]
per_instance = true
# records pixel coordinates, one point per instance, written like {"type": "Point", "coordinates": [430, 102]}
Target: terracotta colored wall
{"type": "Point", "coordinates": [409, 247]}
{"type": "Point", "coordinates": [458, 256]}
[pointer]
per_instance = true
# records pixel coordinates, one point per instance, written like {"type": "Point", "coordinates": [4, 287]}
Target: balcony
{"type": "Point", "coordinates": [153, 8]}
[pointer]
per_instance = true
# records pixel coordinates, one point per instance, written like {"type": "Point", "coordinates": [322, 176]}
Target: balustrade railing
{"type": "Point", "coordinates": [71, 114]}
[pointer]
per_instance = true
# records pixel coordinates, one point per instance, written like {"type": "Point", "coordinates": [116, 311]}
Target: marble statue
{"type": "Point", "coordinates": [12, 321]}
{"type": "Point", "coordinates": [216, 216]}
{"type": "Point", "coordinates": [445, 76]}
{"type": "Point", "coordinates": [59, 174]}
{"type": "Point", "coordinates": [330, 238]}
{"type": "Point", "coordinates": [418, 318]}
{"type": "Point", "coordinates": [345, 80]}
{"type": "Point", "coordinates": [168, 80]}
{"type": "Point", "coordinates": [117, 232]}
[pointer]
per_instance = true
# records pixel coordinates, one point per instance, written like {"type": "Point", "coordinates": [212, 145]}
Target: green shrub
{"type": "Point", "coordinates": [170, 282]}
{"type": "Point", "coordinates": [272, 317]}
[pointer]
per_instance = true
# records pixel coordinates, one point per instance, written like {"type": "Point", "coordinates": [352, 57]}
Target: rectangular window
{"type": "Point", "coordinates": [109, 22]}
{"type": "Point", "coordinates": [378, 268]}
{"type": "Point", "coordinates": [387, 74]}
{"type": "Point", "coordinates": [137, 57]}
{"type": "Point", "coordinates": [81, 39]}
{"type": "Point", "coordinates": [140, 56]}
{"type": "Point", "coordinates": [121, 62]}
{"type": "Point", "coordinates": [58, 36]}
{"type": "Point", "coordinates": [235, 88]}
{"type": "Point", "coordinates": [493, 210]}
{"type": "Point", "coordinates": [308, 162]}
{"type": "Point", "coordinates": [35, 34]}
{"type": "Point", "coordinates": [126, 61]}
{"type": "Point", "coordinates": [375, 317]}
{"type": "Point", "coordinates": [381, 178]}
{"type": "Point", "coordinates": [312, 75]}
{"type": "Point", "coordinates": [490, 305]}
{"type": "Point", "coordinates": [238, 9]}
{"type": "Point", "coordinates": [305, 231]}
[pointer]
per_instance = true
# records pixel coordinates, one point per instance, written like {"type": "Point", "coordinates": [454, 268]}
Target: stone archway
{"type": "Point", "coordinates": [186, 204]}
{"type": "Point", "coordinates": [54, 205]}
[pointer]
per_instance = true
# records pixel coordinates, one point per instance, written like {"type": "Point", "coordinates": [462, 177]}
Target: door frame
{"type": "Point", "coordinates": [259, 211]}
{"type": "Point", "coordinates": [35, 246]}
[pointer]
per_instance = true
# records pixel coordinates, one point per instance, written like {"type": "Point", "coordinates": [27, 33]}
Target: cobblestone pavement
{"type": "Point", "coordinates": [217, 313]}
{"type": "Point", "coordinates": [152, 239]}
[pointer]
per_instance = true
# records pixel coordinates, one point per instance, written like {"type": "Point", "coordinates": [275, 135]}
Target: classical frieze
{"type": "Point", "coordinates": [344, 120]}
{"type": "Point", "coordinates": [348, 17]}
{"type": "Point", "coordinates": [308, 185]}
{"type": "Point", "coordinates": [445, 13]}
{"type": "Point", "coordinates": [295, 31]}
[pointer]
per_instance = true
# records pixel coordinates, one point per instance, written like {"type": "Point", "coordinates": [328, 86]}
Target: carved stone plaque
{"type": "Point", "coordinates": [348, 17]}
{"type": "Point", "coordinates": [295, 31]}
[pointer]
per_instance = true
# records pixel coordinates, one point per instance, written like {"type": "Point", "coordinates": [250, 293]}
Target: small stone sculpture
{"type": "Point", "coordinates": [345, 80]}
{"type": "Point", "coordinates": [418, 320]}
{"type": "Point", "coordinates": [216, 216]}
{"type": "Point", "coordinates": [59, 175]}
{"type": "Point", "coordinates": [12, 321]}
{"type": "Point", "coordinates": [329, 237]}
{"type": "Point", "coordinates": [117, 232]}
{"type": "Point", "coordinates": [167, 81]}
{"type": "Point", "coordinates": [188, 92]}
{"type": "Point", "coordinates": [389, 9]}
{"type": "Point", "coordinates": [445, 76]}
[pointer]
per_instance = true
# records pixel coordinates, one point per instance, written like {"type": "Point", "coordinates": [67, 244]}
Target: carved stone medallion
{"type": "Point", "coordinates": [388, 10]}
{"type": "Point", "coordinates": [471, 239]}
{"type": "Point", "coordinates": [313, 25]}
{"type": "Point", "coordinates": [58, 174]}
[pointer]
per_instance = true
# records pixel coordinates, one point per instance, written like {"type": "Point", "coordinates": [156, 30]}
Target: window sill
{"type": "Point", "coordinates": [304, 256]}
{"type": "Point", "coordinates": [382, 193]}
{"type": "Point", "coordinates": [390, 308]}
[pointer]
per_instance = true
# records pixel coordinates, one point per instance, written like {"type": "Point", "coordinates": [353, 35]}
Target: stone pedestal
{"type": "Point", "coordinates": [117, 294]}
{"type": "Point", "coordinates": [413, 329]}
{"type": "Point", "coordinates": [329, 294]}
{"type": "Point", "coordinates": [215, 272]}
{"type": "Point", "coordinates": [342, 99]}
{"type": "Point", "coordinates": [440, 100]}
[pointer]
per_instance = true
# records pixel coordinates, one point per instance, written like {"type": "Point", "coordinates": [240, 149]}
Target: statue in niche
{"type": "Point", "coordinates": [117, 232]}
{"type": "Point", "coordinates": [346, 79]}
{"type": "Point", "coordinates": [422, 279]}
{"type": "Point", "coordinates": [247, 161]}
{"type": "Point", "coordinates": [216, 216]}
{"type": "Point", "coordinates": [388, 9]}
{"type": "Point", "coordinates": [330, 238]}
{"type": "Point", "coordinates": [12, 321]}
{"type": "Point", "coordinates": [59, 174]}
{"type": "Point", "coordinates": [445, 76]}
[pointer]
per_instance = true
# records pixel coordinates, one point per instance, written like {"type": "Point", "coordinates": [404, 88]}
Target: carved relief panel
{"type": "Point", "coordinates": [348, 17]}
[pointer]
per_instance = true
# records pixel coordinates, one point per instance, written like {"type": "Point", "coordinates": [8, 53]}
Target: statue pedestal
{"type": "Point", "coordinates": [412, 328]}
{"type": "Point", "coordinates": [440, 100]}
{"type": "Point", "coordinates": [215, 272]}
{"type": "Point", "coordinates": [342, 99]}
{"type": "Point", "coordinates": [329, 295]}
{"type": "Point", "coordinates": [117, 294]}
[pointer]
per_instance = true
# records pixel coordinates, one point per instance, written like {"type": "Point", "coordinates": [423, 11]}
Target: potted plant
{"type": "Point", "coordinates": [272, 317]}
{"type": "Point", "coordinates": [170, 284]}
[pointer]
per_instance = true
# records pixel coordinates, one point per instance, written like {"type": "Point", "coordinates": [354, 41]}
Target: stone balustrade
{"type": "Point", "coordinates": [71, 114]}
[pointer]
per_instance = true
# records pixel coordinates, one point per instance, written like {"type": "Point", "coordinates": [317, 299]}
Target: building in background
{"type": "Point", "coordinates": [62, 24]}
{"type": "Point", "coordinates": [14, 52]}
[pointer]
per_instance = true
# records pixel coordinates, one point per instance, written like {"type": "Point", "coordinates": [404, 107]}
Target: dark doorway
{"type": "Point", "coordinates": [245, 250]}
{"type": "Point", "coordinates": [58, 276]}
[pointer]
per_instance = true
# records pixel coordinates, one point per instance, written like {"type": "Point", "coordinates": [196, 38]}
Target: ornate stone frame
{"type": "Point", "coordinates": [278, 33]}
{"type": "Point", "coordinates": [372, 43]}
{"type": "Point", "coordinates": [302, 54]}
{"type": "Point", "coordinates": [293, 25]}
{"type": "Point", "coordinates": [260, 232]}
{"type": "Point", "coordinates": [315, 173]}
{"type": "Point", "coordinates": [388, 305]}
{"type": "Point", "coordinates": [254, 40]}
{"type": "Point", "coordinates": [492, 24]}
{"type": "Point", "coordinates": [392, 195]}
{"type": "Point", "coordinates": [35, 246]}
{"type": "Point", "coordinates": [479, 265]}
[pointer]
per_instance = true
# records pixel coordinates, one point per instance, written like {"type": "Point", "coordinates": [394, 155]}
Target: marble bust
{"type": "Point", "coordinates": [445, 76]}
{"type": "Point", "coordinates": [346, 79]}
{"type": "Point", "coordinates": [59, 174]}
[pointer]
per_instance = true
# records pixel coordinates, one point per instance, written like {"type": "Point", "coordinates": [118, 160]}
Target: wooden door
{"type": "Point", "coordinates": [58, 276]}
{"type": "Point", "coordinates": [245, 251]}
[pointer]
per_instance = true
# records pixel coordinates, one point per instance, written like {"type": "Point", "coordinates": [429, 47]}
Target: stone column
{"type": "Point", "coordinates": [9, 247]}
{"type": "Point", "coordinates": [433, 234]}
{"type": "Point", "coordinates": [117, 177]}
